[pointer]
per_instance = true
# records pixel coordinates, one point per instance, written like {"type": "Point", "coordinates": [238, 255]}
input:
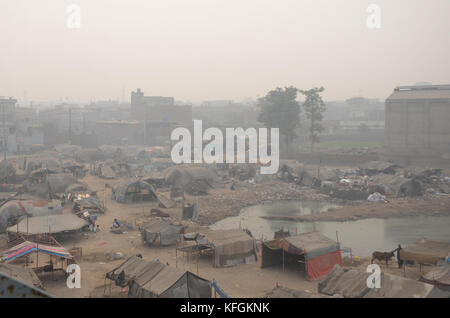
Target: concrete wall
{"type": "Point", "coordinates": [418, 127]}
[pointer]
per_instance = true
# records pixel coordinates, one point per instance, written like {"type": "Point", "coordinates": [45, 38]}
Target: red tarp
{"type": "Point", "coordinates": [322, 265]}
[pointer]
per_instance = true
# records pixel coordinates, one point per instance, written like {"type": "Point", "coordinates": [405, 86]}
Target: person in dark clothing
{"type": "Point", "coordinates": [116, 223]}
{"type": "Point", "coordinates": [399, 260]}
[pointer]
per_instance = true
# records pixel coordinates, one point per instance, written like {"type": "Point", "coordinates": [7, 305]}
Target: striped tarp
{"type": "Point", "coordinates": [29, 247]}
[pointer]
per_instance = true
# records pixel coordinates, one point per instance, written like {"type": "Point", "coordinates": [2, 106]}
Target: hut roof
{"type": "Point", "coordinates": [49, 224]}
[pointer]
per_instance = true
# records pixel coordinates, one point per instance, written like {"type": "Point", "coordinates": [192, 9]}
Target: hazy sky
{"type": "Point", "coordinates": [219, 49]}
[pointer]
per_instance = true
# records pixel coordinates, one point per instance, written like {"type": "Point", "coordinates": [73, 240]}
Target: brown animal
{"type": "Point", "coordinates": [382, 256]}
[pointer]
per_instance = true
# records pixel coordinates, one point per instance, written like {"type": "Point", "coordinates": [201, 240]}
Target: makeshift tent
{"type": "Point", "coordinates": [165, 202]}
{"type": "Point", "coordinates": [58, 182]}
{"type": "Point", "coordinates": [169, 282]}
{"type": "Point", "coordinates": [156, 179]}
{"type": "Point", "coordinates": [160, 232]}
{"type": "Point", "coordinates": [439, 275]}
{"type": "Point", "coordinates": [86, 155]}
{"type": "Point", "coordinates": [23, 274]}
{"type": "Point", "coordinates": [91, 204]}
{"type": "Point", "coordinates": [153, 279]}
{"type": "Point", "coordinates": [398, 185]}
{"type": "Point", "coordinates": [134, 190]}
{"type": "Point", "coordinates": [292, 171]}
{"type": "Point", "coordinates": [11, 287]}
{"type": "Point", "coordinates": [192, 180]}
{"type": "Point", "coordinates": [425, 251]}
{"type": "Point", "coordinates": [127, 271]}
{"type": "Point", "coordinates": [375, 167]}
{"type": "Point", "coordinates": [229, 247]}
{"type": "Point", "coordinates": [54, 224]}
{"type": "Point", "coordinates": [77, 188]}
{"type": "Point", "coordinates": [284, 292]}
{"type": "Point", "coordinates": [353, 284]}
{"type": "Point", "coordinates": [27, 247]}
{"type": "Point", "coordinates": [316, 251]}
{"type": "Point", "coordinates": [12, 210]}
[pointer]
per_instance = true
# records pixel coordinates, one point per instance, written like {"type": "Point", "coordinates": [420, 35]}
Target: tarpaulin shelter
{"type": "Point", "coordinates": [77, 188]}
{"type": "Point", "coordinates": [284, 292]}
{"type": "Point", "coordinates": [192, 180]}
{"type": "Point", "coordinates": [439, 275]}
{"type": "Point", "coordinates": [153, 279]}
{"type": "Point", "coordinates": [58, 182]}
{"type": "Point", "coordinates": [23, 274]}
{"type": "Point", "coordinates": [134, 190]}
{"type": "Point", "coordinates": [228, 247]}
{"type": "Point", "coordinates": [11, 287]}
{"type": "Point", "coordinates": [375, 167]}
{"type": "Point", "coordinates": [353, 284]}
{"type": "Point", "coordinates": [169, 282]}
{"type": "Point", "coordinates": [91, 204]}
{"type": "Point", "coordinates": [161, 232]}
{"type": "Point", "coordinates": [55, 224]}
{"type": "Point", "coordinates": [317, 252]}
{"type": "Point", "coordinates": [27, 247]}
{"type": "Point", "coordinates": [12, 210]}
{"type": "Point", "coordinates": [89, 154]}
{"type": "Point", "coordinates": [292, 171]}
{"type": "Point", "coordinates": [155, 178]}
{"type": "Point", "coordinates": [425, 251]}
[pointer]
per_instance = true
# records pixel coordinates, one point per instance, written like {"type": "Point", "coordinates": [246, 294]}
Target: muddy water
{"type": "Point", "coordinates": [363, 236]}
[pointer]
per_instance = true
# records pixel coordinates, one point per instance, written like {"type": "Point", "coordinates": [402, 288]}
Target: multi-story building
{"type": "Point", "coordinates": [7, 118]}
{"type": "Point", "coordinates": [159, 108]}
{"type": "Point", "coordinates": [417, 123]}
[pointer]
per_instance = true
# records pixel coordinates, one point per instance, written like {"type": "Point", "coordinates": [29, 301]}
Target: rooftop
{"type": "Point", "coordinates": [421, 92]}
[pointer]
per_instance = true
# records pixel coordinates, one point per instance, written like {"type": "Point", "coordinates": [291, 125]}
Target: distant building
{"type": "Point", "coordinates": [159, 108]}
{"type": "Point", "coordinates": [418, 123]}
{"type": "Point", "coordinates": [119, 131]}
{"type": "Point", "coordinates": [7, 112]}
{"type": "Point", "coordinates": [17, 127]}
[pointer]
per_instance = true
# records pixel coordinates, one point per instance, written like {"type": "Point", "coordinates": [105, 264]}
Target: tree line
{"type": "Point", "coordinates": [280, 109]}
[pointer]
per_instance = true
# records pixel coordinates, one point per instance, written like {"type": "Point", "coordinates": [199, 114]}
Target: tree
{"type": "Point", "coordinates": [279, 109]}
{"type": "Point", "coordinates": [314, 107]}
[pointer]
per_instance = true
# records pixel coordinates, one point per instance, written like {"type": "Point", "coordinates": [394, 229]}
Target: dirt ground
{"type": "Point", "coordinates": [247, 280]}
{"type": "Point", "coordinates": [241, 281]}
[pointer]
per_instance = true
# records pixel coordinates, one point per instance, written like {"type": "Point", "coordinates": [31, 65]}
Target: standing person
{"type": "Point", "coordinates": [91, 224]}
{"type": "Point", "coordinates": [399, 260]}
{"type": "Point", "coordinates": [63, 200]}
